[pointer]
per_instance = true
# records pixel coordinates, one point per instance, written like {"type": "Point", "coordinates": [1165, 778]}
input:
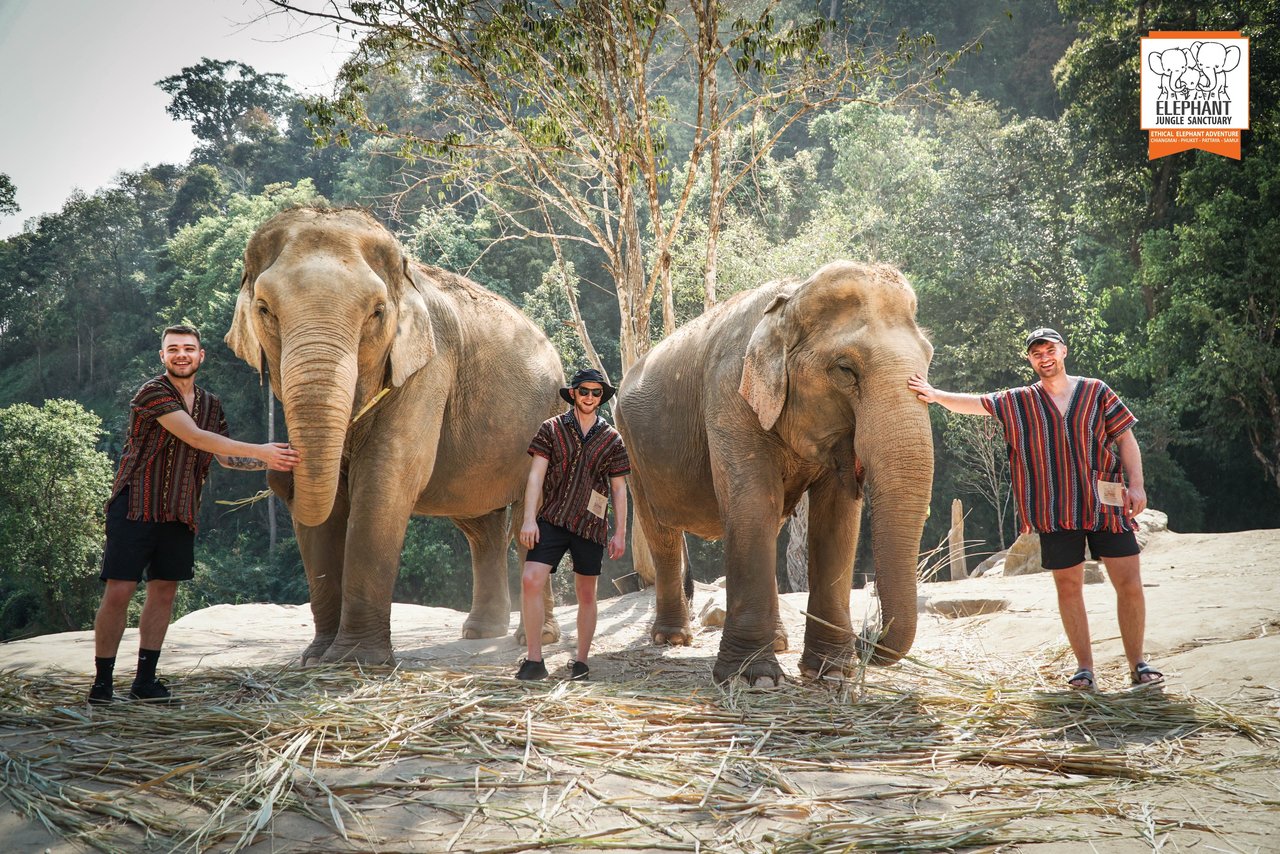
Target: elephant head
{"type": "Point", "coordinates": [329, 304]}
{"type": "Point", "coordinates": [1169, 64]}
{"type": "Point", "coordinates": [1214, 60]}
{"type": "Point", "coordinates": [826, 368]}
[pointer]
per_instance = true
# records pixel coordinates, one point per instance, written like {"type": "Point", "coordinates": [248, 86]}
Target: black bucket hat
{"type": "Point", "coordinates": [1044, 333]}
{"type": "Point", "coordinates": [588, 375]}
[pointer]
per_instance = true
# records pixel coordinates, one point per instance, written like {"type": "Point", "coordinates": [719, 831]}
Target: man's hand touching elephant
{"type": "Point", "coordinates": [617, 544]}
{"type": "Point", "coordinates": [922, 389]}
{"type": "Point", "coordinates": [279, 456]}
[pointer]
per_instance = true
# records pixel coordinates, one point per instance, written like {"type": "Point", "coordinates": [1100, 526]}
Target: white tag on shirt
{"type": "Point", "coordinates": [1111, 493]}
{"type": "Point", "coordinates": [597, 504]}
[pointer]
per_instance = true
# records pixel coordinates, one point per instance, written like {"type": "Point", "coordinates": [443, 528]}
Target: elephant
{"type": "Point", "coordinates": [1214, 60]}
{"type": "Point", "coordinates": [407, 390]}
{"type": "Point", "coordinates": [794, 386]}
{"type": "Point", "coordinates": [1170, 65]}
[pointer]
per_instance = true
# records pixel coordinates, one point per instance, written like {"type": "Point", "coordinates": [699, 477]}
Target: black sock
{"type": "Point", "coordinates": [106, 669]}
{"type": "Point", "coordinates": [147, 659]}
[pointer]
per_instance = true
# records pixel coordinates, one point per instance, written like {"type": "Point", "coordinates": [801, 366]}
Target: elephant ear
{"type": "Point", "coordinates": [241, 337]}
{"type": "Point", "coordinates": [415, 341]}
{"type": "Point", "coordinates": [764, 370]}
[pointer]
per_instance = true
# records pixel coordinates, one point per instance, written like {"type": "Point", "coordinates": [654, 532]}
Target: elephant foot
{"type": "Point", "coordinates": [314, 653]}
{"type": "Point", "coordinates": [479, 627]}
{"type": "Point", "coordinates": [671, 634]}
{"type": "Point", "coordinates": [762, 671]}
{"type": "Point", "coordinates": [346, 652]}
{"type": "Point", "coordinates": [816, 665]}
{"type": "Point", "coordinates": [550, 633]}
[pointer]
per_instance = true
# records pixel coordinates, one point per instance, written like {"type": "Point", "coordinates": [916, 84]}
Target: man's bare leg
{"type": "Point", "coordinates": [1075, 620]}
{"type": "Point", "coordinates": [585, 586]}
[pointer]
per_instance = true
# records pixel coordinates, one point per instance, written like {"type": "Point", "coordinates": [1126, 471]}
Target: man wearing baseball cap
{"type": "Point", "coordinates": [579, 462]}
{"type": "Point", "coordinates": [1071, 448]}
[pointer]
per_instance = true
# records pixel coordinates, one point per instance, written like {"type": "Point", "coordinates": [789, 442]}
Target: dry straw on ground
{"type": "Point", "coordinates": [910, 758]}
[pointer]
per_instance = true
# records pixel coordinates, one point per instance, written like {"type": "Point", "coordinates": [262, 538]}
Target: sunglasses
{"type": "Point", "coordinates": [593, 392]}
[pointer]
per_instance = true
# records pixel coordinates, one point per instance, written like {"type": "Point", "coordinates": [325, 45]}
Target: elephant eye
{"type": "Point", "coordinates": [379, 310]}
{"type": "Point", "coordinates": [263, 311]}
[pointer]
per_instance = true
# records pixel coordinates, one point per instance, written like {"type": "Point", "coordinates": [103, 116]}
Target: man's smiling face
{"type": "Point", "coordinates": [181, 355]}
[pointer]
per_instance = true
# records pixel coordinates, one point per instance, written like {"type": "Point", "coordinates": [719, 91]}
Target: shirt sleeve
{"type": "Point", "coordinates": [153, 400]}
{"type": "Point", "coordinates": [619, 462]}
{"type": "Point", "coordinates": [541, 444]}
{"type": "Point", "coordinates": [1116, 417]}
{"type": "Point", "coordinates": [222, 429]}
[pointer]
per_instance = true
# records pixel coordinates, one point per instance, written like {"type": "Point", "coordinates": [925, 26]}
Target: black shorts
{"type": "Point", "coordinates": [1065, 549]}
{"type": "Point", "coordinates": [554, 541]}
{"type": "Point", "coordinates": [160, 551]}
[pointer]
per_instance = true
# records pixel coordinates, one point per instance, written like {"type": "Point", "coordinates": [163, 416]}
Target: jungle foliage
{"type": "Point", "coordinates": [1008, 179]}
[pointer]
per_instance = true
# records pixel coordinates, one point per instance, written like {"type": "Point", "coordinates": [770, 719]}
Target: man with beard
{"type": "Point", "coordinates": [1071, 447]}
{"type": "Point", "coordinates": [175, 429]}
{"type": "Point", "coordinates": [578, 461]}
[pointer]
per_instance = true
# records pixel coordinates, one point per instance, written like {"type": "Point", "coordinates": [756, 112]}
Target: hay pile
{"type": "Point", "coordinates": [910, 758]}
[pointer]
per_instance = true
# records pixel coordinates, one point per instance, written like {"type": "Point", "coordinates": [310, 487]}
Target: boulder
{"type": "Point", "coordinates": [953, 607]}
{"type": "Point", "coordinates": [1150, 522]}
{"type": "Point", "coordinates": [1094, 573]}
{"type": "Point", "coordinates": [1024, 555]}
{"type": "Point", "coordinates": [713, 610]}
{"type": "Point", "coordinates": [990, 564]}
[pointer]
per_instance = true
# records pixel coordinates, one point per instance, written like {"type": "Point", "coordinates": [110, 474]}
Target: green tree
{"type": "Point", "coordinates": [53, 484]}
{"type": "Point", "coordinates": [567, 107]}
{"type": "Point", "coordinates": [225, 101]}
{"type": "Point", "coordinates": [8, 195]}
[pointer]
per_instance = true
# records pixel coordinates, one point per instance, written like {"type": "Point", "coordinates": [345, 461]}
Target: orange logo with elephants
{"type": "Point", "coordinates": [1195, 92]}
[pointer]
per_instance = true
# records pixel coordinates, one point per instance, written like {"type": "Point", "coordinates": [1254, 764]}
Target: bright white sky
{"type": "Point", "coordinates": [78, 100]}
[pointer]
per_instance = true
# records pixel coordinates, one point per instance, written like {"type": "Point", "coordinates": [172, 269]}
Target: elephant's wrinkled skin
{"type": "Point", "coordinates": [336, 312]}
{"type": "Point", "coordinates": [794, 386]}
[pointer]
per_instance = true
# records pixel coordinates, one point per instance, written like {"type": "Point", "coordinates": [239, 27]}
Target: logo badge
{"type": "Point", "coordinates": [1195, 92]}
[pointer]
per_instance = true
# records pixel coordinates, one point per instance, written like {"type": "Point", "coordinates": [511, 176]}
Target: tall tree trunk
{"type": "Point", "coordinates": [798, 546]}
{"type": "Point", "coordinates": [955, 542]}
{"type": "Point", "coordinates": [271, 437]}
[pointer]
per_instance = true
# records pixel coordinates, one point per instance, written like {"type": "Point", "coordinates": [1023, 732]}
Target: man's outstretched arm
{"type": "Point", "coordinates": [965, 404]}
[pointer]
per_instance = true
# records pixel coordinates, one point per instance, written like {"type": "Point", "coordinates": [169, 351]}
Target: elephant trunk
{"type": "Point", "coordinates": [318, 384]}
{"type": "Point", "coordinates": [898, 456]}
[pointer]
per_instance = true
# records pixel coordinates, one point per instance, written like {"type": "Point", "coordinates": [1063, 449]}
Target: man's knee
{"type": "Point", "coordinates": [1069, 581]}
{"type": "Point", "coordinates": [534, 577]}
{"type": "Point", "coordinates": [117, 593]}
{"type": "Point", "coordinates": [162, 592]}
{"type": "Point", "coordinates": [585, 587]}
{"type": "Point", "coordinates": [1125, 574]}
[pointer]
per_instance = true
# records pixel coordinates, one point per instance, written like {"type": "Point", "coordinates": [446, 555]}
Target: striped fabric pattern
{"type": "Point", "coordinates": [163, 474]}
{"type": "Point", "coordinates": [578, 465]}
{"type": "Point", "coordinates": [1056, 460]}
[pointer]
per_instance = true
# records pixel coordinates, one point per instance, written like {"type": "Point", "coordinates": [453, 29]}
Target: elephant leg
{"type": "Point", "coordinates": [376, 528]}
{"type": "Point", "coordinates": [322, 548]}
{"type": "Point", "coordinates": [752, 510]}
{"type": "Point", "coordinates": [666, 546]}
{"type": "Point", "coordinates": [834, 519]}
{"type": "Point", "coordinates": [490, 615]}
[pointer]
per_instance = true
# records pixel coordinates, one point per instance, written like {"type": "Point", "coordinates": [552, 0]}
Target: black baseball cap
{"type": "Point", "coordinates": [1044, 333]}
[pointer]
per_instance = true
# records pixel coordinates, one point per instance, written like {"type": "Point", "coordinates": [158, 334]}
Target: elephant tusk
{"type": "Point", "coordinates": [377, 397]}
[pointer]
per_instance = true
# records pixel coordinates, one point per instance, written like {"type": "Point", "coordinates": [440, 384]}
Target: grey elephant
{"type": "Point", "coordinates": [407, 390]}
{"type": "Point", "coordinates": [791, 387]}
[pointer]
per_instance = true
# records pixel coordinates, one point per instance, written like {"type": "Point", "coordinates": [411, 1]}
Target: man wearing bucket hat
{"type": "Point", "coordinates": [1071, 447]}
{"type": "Point", "coordinates": [579, 461]}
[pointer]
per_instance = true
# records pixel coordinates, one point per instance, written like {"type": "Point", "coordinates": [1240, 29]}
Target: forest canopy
{"type": "Point", "coordinates": [616, 169]}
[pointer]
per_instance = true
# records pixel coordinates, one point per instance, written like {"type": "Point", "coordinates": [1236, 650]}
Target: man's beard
{"type": "Point", "coordinates": [183, 373]}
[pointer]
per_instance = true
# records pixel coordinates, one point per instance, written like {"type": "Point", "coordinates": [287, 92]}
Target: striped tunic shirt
{"type": "Point", "coordinates": [577, 465]}
{"type": "Point", "coordinates": [1057, 461]}
{"type": "Point", "coordinates": [163, 474]}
